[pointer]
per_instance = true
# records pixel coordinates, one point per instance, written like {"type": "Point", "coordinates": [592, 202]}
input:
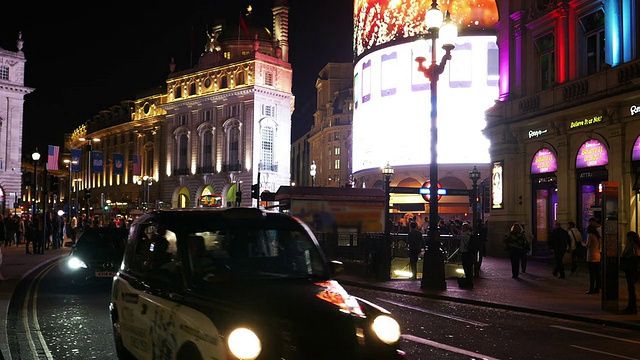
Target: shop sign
{"type": "Point", "coordinates": [635, 153]}
{"type": "Point", "coordinates": [544, 161]}
{"type": "Point", "coordinates": [592, 153]}
{"type": "Point", "coordinates": [536, 133]}
{"type": "Point", "coordinates": [634, 109]}
{"type": "Point", "coordinates": [496, 186]}
{"type": "Point", "coordinates": [591, 121]}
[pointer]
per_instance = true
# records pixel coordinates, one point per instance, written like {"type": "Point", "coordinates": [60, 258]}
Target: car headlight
{"type": "Point", "coordinates": [244, 344]}
{"type": "Point", "coordinates": [387, 329]}
{"type": "Point", "coordinates": [75, 263]}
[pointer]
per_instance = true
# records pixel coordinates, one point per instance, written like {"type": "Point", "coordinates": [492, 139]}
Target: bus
{"type": "Point", "coordinates": [211, 200]}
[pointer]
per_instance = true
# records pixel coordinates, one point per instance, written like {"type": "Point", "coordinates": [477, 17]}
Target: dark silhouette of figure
{"type": "Point", "coordinates": [481, 232]}
{"type": "Point", "coordinates": [416, 244]}
{"type": "Point", "coordinates": [559, 244]}
{"type": "Point", "coordinates": [593, 243]}
{"type": "Point", "coordinates": [515, 244]}
{"type": "Point", "coordinates": [629, 264]}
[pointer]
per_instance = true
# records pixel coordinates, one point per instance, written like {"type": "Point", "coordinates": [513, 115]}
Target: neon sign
{"type": "Point", "coordinates": [593, 120]}
{"type": "Point", "coordinates": [544, 161]}
{"type": "Point", "coordinates": [592, 153]}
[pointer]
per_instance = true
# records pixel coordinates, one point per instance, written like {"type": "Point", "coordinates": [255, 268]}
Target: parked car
{"type": "Point", "coordinates": [238, 283]}
{"type": "Point", "coordinates": [96, 255]}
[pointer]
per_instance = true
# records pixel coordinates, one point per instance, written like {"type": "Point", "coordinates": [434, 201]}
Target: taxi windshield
{"type": "Point", "coordinates": [251, 252]}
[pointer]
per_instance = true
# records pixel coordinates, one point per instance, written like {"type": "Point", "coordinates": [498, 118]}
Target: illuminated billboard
{"type": "Point", "coordinates": [378, 22]}
{"type": "Point", "coordinates": [391, 116]}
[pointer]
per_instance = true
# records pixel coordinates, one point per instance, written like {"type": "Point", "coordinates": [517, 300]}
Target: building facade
{"type": "Point", "coordinates": [204, 140]}
{"type": "Point", "coordinates": [12, 93]}
{"type": "Point", "coordinates": [565, 132]}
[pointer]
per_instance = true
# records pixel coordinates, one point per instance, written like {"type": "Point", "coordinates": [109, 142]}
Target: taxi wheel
{"type": "Point", "coordinates": [189, 351]}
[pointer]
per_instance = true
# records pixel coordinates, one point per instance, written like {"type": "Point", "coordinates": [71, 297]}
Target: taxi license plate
{"type": "Point", "coordinates": [105, 273]}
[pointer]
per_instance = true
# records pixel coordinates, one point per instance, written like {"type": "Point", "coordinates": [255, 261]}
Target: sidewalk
{"type": "Point", "coordinates": [16, 264]}
{"type": "Point", "coordinates": [536, 291]}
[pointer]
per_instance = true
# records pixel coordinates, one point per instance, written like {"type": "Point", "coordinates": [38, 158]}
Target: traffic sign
{"type": "Point", "coordinates": [427, 188]}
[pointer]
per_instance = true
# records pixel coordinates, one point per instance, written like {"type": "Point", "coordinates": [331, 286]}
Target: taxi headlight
{"type": "Point", "coordinates": [75, 263]}
{"type": "Point", "coordinates": [244, 344]}
{"type": "Point", "coordinates": [387, 329]}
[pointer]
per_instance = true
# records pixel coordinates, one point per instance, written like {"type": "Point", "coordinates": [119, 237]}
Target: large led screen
{"type": "Point", "coordinates": [392, 106]}
{"type": "Point", "coordinates": [377, 22]}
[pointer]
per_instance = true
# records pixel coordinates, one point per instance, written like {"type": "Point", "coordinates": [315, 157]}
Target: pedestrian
{"type": "Point", "coordinates": [629, 264]}
{"type": "Point", "coordinates": [481, 232]}
{"type": "Point", "coordinates": [468, 254]}
{"type": "Point", "coordinates": [576, 245]}
{"type": "Point", "coordinates": [425, 225]}
{"type": "Point", "coordinates": [527, 251]}
{"type": "Point", "coordinates": [593, 243]}
{"type": "Point", "coordinates": [21, 231]}
{"type": "Point", "coordinates": [11, 226]}
{"type": "Point", "coordinates": [3, 231]}
{"type": "Point", "coordinates": [559, 245]}
{"type": "Point", "coordinates": [416, 245]}
{"type": "Point", "coordinates": [515, 244]}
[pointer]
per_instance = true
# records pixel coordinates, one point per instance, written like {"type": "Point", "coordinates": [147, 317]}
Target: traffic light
{"type": "Point", "coordinates": [255, 191]}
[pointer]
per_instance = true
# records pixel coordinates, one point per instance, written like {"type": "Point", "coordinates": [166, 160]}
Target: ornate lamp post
{"type": "Point", "coordinates": [147, 181]}
{"type": "Point", "coordinates": [312, 172]}
{"type": "Point", "coordinates": [474, 175]}
{"type": "Point", "coordinates": [70, 163]}
{"type": "Point", "coordinates": [385, 251]}
{"type": "Point", "coordinates": [445, 29]}
{"type": "Point", "coordinates": [36, 157]}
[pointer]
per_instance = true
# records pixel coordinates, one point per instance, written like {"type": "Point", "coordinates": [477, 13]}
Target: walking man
{"type": "Point", "coordinates": [558, 243]}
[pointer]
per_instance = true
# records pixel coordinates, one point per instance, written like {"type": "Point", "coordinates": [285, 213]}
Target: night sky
{"type": "Point", "coordinates": [87, 58]}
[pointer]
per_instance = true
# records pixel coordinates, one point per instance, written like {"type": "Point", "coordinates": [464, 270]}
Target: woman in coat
{"type": "Point", "coordinates": [516, 246]}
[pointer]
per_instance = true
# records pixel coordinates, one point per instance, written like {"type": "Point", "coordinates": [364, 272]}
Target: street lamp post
{"type": "Point", "coordinates": [312, 172]}
{"type": "Point", "coordinates": [146, 181]}
{"type": "Point", "coordinates": [385, 251]}
{"type": "Point", "coordinates": [70, 163]}
{"type": "Point", "coordinates": [445, 29]}
{"type": "Point", "coordinates": [89, 182]}
{"type": "Point", "coordinates": [474, 175]}
{"type": "Point", "coordinates": [36, 157]}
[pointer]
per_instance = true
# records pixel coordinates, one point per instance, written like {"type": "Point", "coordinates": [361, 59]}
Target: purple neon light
{"type": "Point", "coordinates": [592, 153]}
{"type": "Point", "coordinates": [635, 153]}
{"type": "Point", "coordinates": [544, 161]}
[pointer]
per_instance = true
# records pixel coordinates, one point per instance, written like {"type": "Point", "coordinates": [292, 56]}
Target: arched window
{"type": "Point", "coordinates": [207, 151]}
{"type": "Point", "coordinates": [183, 145]}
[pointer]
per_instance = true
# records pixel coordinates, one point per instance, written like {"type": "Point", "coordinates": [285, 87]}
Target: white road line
{"type": "Point", "coordinates": [447, 347]}
{"type": "Point", "coordinates": [594, 334]}
{"type": "Point", "coordinates": [447, 316]}
{"type": "Point", "coordinates": [603, 352]}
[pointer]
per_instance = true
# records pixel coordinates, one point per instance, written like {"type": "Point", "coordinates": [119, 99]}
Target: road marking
{"type": "Point", "coordinates": [594, 334]}
{"type": "Point", "coordinates": [447, 347]}
{"type": "Point", "coordinates": [447, 316]}
{"type": "Point", "coordinates": [603, 352]}
{"type": "Point", "coordinates": [34, 315]}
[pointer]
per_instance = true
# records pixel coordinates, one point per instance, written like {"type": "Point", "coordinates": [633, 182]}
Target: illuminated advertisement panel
{"type": "Point", "coordinates": [592, 153]}
{"type": "Point", "coordinates": [378, 22]}
{"type": "Point", "coordinates": [497, 200]}
{"type": "Point", "coordinates": [391, 119]}
{"type": "Point", "coordinates": [544, 161]}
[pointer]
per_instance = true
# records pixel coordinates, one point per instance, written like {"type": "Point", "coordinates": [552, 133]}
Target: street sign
{"type": "Point", "coordinates": [426, 187]}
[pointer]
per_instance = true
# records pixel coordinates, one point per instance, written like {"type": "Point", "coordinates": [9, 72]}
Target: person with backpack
{"type": "Point", "coordinates": [516, 245]}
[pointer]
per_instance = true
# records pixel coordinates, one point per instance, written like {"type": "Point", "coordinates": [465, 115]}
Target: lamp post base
{"type": "Point", "coordinates": [433, 274]}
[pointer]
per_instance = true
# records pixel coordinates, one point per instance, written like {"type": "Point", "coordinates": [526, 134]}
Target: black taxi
{"type": "Point", "coordinates": [238, 283]}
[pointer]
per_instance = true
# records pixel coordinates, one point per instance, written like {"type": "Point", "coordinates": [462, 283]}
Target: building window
{"type": "Point", "coordinates": [178, 92]}
{"type": "Point", "coordinates": [268, 110]}
{"type": "Point", "coordinates": [207, 149]}
{"type": "Point", "coordinates": [233, 110]}
{"type": "Point", "coordinates": [149, 160]}
{"type": "Point", "coordinates": [183, 120]}
{"type": "Point", "coordinates": [266, 156]}
{"type": "Point", "coordinates": [4, 72]}
{"type": "Point", "coordinates": [336, 135]}
{"type": "Point", "coordinates": [547, 60]}
{"type": "Point", "coordinates": [234, 146]}
{"type": "Point", "coordinates": [192, 89]}
{"type": "Point", "coordinates": [183, 145]}
{"type": "Point", "coordinates": [206, 115]}
{"type": "Point", "coordinates": [336, 150]}
{"type": "Point", "coordinates": [224, 83]}
{"type": "Point", "coordinates": [240, 78]}
{"type": "Point", "coordinates": [268, 79]}
{"type": "Point", "coordinates": [226, 55]}
{"type": "Point", "coordinates": [336, 164]}
{"type": "Point", "coordinates": [593, 26]}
